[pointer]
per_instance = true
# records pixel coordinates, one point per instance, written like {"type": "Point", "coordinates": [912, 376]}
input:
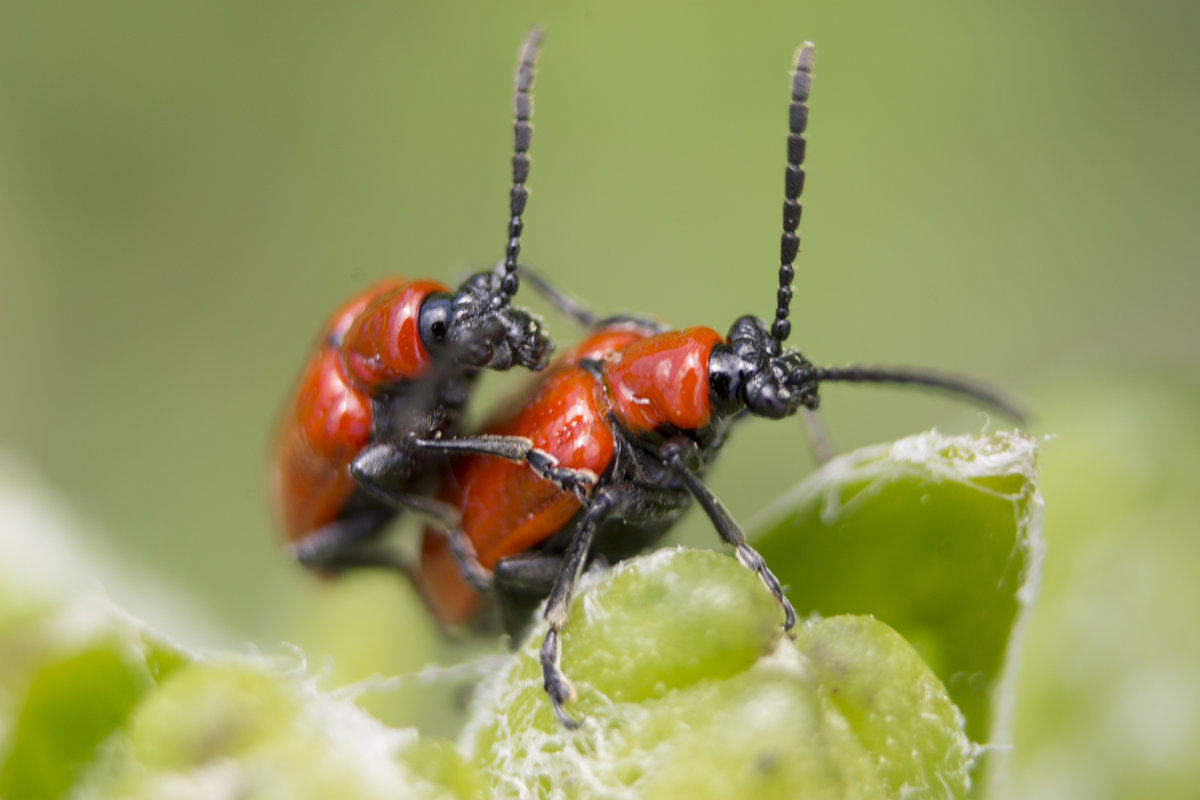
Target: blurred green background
{"type": "Point", "coordinates": [188, 188]}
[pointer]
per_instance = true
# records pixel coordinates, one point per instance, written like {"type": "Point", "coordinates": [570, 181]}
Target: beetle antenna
{"type": "Point", "coordinates": [955, 384]}
{"type": "Point", "coordinates": [793, 185]}
{"type": "Point", "coordinates": [522, 135]}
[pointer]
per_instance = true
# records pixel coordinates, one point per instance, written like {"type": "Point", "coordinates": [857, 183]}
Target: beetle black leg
{"type": "Point", "coordinates": [520, 583]}
{"type": "Point", "coordinates": [562, 303]}
{"type": "Point", "coordinates": [463, 551]}
{"type": "Point", "coordinates": [573, 310]}
{"type": "Point", "coordinates": [818, 436]}
{"type": "Point", "coordinates": [558, 605]}
{"type": "Point", "coordinates": [673, 454]}
{"type": "Point", "coordinates": [554, 681]}
{"type": "Point", "coordinates": [445, 517]}
{"type": "Point", "coordinates": [519, 449]}
{"type": "Point", "coordinates": [347, 543]}
{"type": "Point", "coordinates": [371, 469]}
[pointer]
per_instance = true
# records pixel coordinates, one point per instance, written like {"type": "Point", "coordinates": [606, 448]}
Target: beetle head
{"type": "Point", "coordinates": [481, 329]}
{"type": "Point", "coordinates": [752, 372]}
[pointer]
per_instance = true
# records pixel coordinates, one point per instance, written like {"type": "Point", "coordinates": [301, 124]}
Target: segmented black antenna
{"type": "Point", "coordinates": [522, 135]}
{"type": "Point", "coordinates": [793, 185]}
{"type": "Point", "coordinates": [988, 395]}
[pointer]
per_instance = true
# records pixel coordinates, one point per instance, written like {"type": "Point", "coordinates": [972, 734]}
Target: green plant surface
{"type": "Point", "coordinates": [72, 670]}
{"type": "Point", "coordinates": [689, 689]}
{"type": "Point", "coordinates": [937, 536]}
{"type": "Point", "coordinates": [243, 729]}
{"type": "Point", "coordinates": [96, 706]}
{"type": "Point", "coordinates": [71, 704]}
{"type": "Point", "coordinates": [687, 685]}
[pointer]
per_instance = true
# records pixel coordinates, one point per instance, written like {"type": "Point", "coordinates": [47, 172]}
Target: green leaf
{"type": "Point", "coordinates": [937, 536]}
{"type": "Point", "coordinates": [73, 671]}
{"type": "Point", "coordinates": [245, 729]}
{"type": "Point", "coordinates": [689, 689]}
{"type": "Point", "coordinates": [71, 705]}
{"type": "Point", "coordinates": [95, 705]}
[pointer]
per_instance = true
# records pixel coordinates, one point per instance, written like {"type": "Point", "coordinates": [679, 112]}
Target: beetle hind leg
{"type": "Point", "coordinates": [474, 573]}
{"type": "Point", "coordinates": [349, 543]}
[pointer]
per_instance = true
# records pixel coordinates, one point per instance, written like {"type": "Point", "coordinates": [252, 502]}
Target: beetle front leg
{"type": "Point", "coordinates": [606, 501]}
{"type": "Point", "coordinates": [819, 437]}
{"type": "Point", "coordinates": [520, 584]}
{"type": "Point", "coordinates": [674, 453]}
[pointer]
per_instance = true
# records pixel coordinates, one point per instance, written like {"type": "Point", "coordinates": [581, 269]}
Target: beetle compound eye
{"type": "Point", "coordinates": [434, 319]}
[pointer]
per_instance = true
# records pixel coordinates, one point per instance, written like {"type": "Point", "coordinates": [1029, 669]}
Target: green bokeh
{"type": "Point", "coordinates": [187, 189]}
{"type": "Point", "coordinates": [1109, 703]}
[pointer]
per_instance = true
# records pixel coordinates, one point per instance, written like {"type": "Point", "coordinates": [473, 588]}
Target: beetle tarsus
{"type": "Point", "coordinates": [554, 681]}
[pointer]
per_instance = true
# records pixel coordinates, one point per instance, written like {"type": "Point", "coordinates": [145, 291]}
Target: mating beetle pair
{"type": "Point", "coordinates": [599, 459]}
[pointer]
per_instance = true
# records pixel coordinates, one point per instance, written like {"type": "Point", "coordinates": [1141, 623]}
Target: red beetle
{"type": "Point", "coordinates": [378, 406]}
{"type": "Point", "coordinates": [647, 410]}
